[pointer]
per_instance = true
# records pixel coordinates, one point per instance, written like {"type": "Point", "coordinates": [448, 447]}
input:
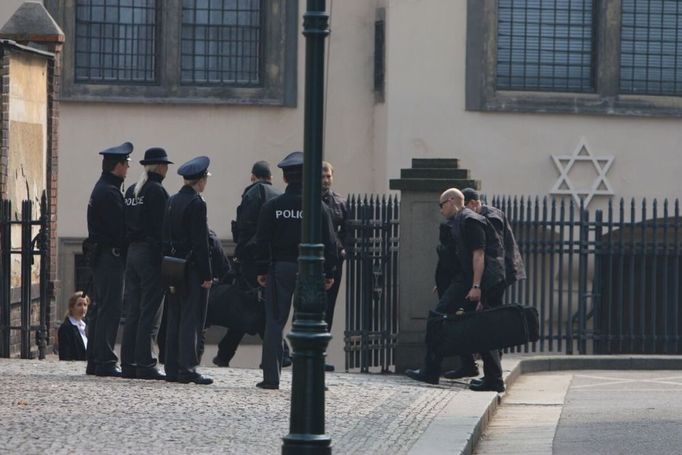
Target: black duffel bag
{"type": "Point", "coordinates": [235, 307]}
{"type": "Point", "coordinates": [471, 332]}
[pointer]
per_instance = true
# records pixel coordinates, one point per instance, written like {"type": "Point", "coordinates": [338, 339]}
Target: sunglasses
{"type": "Point", "coordinates": [441, 204]}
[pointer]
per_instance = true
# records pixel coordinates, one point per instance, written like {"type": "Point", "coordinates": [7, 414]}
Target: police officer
{"type": "Point", "coordinates": [106, 244]}
{"type": "Point", "coordinates": [244, 234]}
{"type": "Point", "coordinates": [277, 240]}
{"type": "Point", "coordinates": [145, 206]}
{"type": "Point", "coordinates": [186, 236]}
{"type": "Point", "coordinates": [338, 209]}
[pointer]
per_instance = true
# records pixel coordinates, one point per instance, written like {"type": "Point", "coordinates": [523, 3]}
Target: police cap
{"type": "Point", "coordinates": [195, 168]}
{"type": "Point", "coordinates": [155, 155]}
{"type": "Point", "coordinates": [118, 152]}
{"type": "Point", "coordinates": [261, 169]}
{"type": "Point", "coordinates": [291, 160]}
{"type": "Point", "coordinates": [470, 194]}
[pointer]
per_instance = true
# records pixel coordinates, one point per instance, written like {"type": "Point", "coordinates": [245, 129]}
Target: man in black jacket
{"type": "Point", "coordinates": [513, 263]}
{"type": "Point", "coordinates": [338, 209]}
{"type": "Point", "coordinates": [106, 246]}
{"type": "Point", "coordinates": [277, 241]}
{"type": "Point", "coordinates": [185, 229]}
{"type": "Point", "coordinates": [145, 208]}
{"type": "Point", "coordinates": [244, 235]}
{"type": "Point", "coordinates": [481, 258]}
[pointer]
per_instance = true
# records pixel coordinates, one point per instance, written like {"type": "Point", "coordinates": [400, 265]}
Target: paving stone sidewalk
{"type": "Point", "coordinates": [51, 407]}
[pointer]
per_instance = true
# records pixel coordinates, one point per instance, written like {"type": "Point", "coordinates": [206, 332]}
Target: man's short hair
{"type": "Point", "coordinates": [293, 174]}
{"type": "Point", "coordinates": [470, 194]}
{"type": "Point", "coordinates": [261, 170]}
{"type": "Point", "coordinates": [109, 163]}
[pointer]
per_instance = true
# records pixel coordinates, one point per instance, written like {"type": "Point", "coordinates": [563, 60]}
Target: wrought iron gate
{"type": "Point", "coordinates": [372, 282]}
{"type": "Point", "coordinates": [30, 246]}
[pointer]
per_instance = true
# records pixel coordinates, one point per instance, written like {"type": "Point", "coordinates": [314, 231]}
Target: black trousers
{"type": "Point", "coordinates": [227, 347]}
{"type": "Point", "coordinates": [332, 293]}
{"type": "Point", "coordinates": [104, 315]}
{"type": "Point", "coordinates": [278, 293]}
{"type": "Point", "coordinates": [143, 299]}
{"type": "Point", "coordinates": [185, 327]}
{"type": "Point", "coordinates": [452, 300]}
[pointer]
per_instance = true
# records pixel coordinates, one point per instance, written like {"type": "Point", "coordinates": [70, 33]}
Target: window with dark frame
{"type": "Point", "coordinates": [651, 47]}
{"type": "Point", "coordinates": [606, 57]}
{"type": "Point", "coordinates": [179, 51]}
{"type": "Point", "coordinates": [221, 42]}
{"type": "Point", "coordinates": [545, 45]}
{"type": "Point", "coordinates": [115, 41]}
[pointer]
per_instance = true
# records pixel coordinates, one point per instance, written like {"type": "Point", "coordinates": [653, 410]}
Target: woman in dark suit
{"type": "Point", "coordinates": [72, 338]}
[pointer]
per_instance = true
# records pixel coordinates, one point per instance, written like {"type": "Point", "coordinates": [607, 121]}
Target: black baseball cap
{"type": "Point", "coordinates": [470, 194]}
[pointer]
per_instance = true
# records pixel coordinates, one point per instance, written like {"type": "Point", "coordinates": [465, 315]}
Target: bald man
{"type": "Point", "coordinates": [481, 258]}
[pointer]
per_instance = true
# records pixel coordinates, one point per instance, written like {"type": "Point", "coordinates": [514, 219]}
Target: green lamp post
{"type": "Point", "coordinates": [309, 337]}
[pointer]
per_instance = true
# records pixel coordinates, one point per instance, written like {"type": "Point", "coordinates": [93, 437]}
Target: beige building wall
{"type": "Point", "coordinates": [232, 136]}
{"type": "Point", "coordinates": [510, 153]}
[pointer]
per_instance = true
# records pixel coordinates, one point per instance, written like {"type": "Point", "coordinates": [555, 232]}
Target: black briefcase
{"type": "Point", "coordinates": [173, 274]}
{"type": "Point", "coordinates": [234, 307]}
{"type": "Point", "coordinates": [495, 328]}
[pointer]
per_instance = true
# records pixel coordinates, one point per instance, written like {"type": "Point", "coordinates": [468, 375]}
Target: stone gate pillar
{"type": "Point", "coordinates": [420, 188]}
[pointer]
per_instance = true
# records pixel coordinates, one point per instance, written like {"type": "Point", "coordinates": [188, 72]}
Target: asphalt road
{"type": "Point", "coordinates": [589, 412]}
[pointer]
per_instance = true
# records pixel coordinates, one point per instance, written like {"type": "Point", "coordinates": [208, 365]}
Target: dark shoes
{"type": "Point", "coordinates": [108, 371]}
{"type": "Point", "coordinates": [217, 361]}
{"type": "Point", "coordinates": [418, 375]}
{"type": "Point", "coordinates": [128, 372]}
{"type": "Point", "coordinates": [286, 361]}
{"type": "Point", "coordinates": [150, 373]}
{"type": "Point", "coordinates": [328, 367]}
{"type": "Point", "coordinates": [267, 385]}
{"type": "Point", "coordinates": [487, 386]}
{"type": "Point", "coordinates": [90, 369]}
{"type": "Point", "coordinates": [462, 372]}
{"type": "Point", "coordinates": [196, 378]}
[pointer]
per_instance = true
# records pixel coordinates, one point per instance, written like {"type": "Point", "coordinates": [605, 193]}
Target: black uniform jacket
{"type": "Point", "coordinates": [448, 268]}
{"type": "Point", "coordinates": [466, 227]}
{"type": "Point", "coordinates": [514, 268]}
{"type": "Point", "coordinates": [144, 212]}
{"type": "Point", "coordinates": [279, 232]}
{"type": "Point", "coordinates": [338, 209]}
{"type": "Point", "coordinates": [71, 346]}
{"type": "Point", "coordinates": [106, 218]}
{"type": "Point", "coordinates": [185, 229]}
{"type": "Point", "coordinates": [246, 224]}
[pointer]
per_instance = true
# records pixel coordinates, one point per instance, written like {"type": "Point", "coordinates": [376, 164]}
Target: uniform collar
{"type": "Point", "coordinates": [186, 189]}
{"type": "Point", "coordinates": [154, 177]}
{"type": "Point", "coordinates": [112, 179]}
{"type": "Point", "coordinates": [294, 188]}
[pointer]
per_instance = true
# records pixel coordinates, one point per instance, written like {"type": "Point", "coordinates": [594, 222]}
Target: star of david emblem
{"type": "Point", "coordinates": [600, 185]}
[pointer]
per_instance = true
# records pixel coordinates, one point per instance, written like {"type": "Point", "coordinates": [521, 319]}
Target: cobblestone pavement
{"type": "Point", "coordinates": [52, 407]}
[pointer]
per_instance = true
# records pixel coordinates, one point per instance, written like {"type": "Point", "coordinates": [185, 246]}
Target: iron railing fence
{"type": "Point", "coordinates": [603, 281]}
{"type": "Point", "coordinates": [29, 247]}
{"type": "Point", "coordinates": [372, 282]}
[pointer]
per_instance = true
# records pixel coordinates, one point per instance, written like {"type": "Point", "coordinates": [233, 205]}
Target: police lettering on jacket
{"type": "Point", "coordinates": [279, 231]}
{"type": "Point", "coordinates": [144, 212]}
{"type": "Point", "coordinates": [289, 214]}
